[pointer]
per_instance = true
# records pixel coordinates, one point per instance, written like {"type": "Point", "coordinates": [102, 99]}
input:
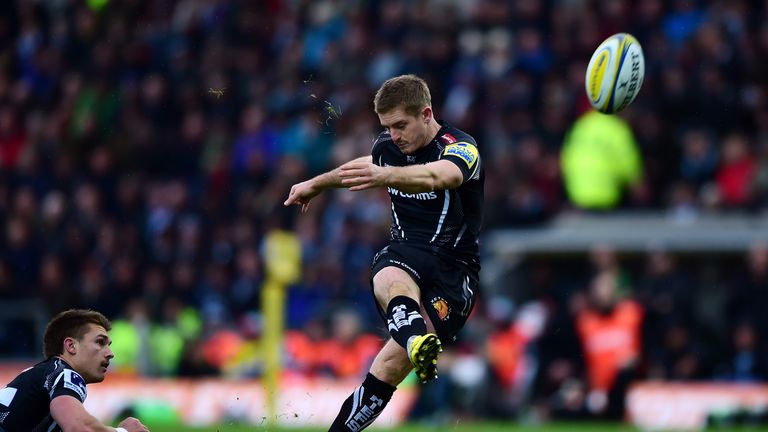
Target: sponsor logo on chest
{"type": "Point", "coordinates": [422, 196]}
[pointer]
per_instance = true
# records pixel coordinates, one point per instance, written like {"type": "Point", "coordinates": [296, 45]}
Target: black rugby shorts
{"type": "Point", "coordinates": [448, 288]}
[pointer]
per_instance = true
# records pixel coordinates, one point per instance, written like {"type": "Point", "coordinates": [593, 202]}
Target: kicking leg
{"type": "Point", "coordinates": [413, 345]}
{"type": "Point", "coordinates": [361, 408]}
{"type": "Point", "coordinates": [398, 295]}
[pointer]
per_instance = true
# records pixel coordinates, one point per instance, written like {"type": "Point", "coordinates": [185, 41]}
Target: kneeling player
{"type": "Point", "coordinates": [49, 396]}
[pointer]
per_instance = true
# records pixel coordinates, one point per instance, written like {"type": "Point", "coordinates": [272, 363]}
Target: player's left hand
{"type": "Point", "coordinates": [302, 193]}
{"type": "Point", "coordinates": [360, 175]}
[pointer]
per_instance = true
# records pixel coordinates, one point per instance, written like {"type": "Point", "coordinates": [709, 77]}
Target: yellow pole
{"type": "Point", "coordinates": [272, 300]}
{"type": "Point", "coordinates": [282, 256]}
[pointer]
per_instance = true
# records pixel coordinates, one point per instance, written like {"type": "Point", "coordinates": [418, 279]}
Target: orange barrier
{"type": "Point", "coordinates": [686, 406]}
{"type": "Point", "coordinates": [301, 402]}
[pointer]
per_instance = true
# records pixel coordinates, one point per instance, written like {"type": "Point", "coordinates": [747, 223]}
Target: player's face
{"type": "Point", "coordinates": [408, 132]}
{"type": "Point", "coordinates": [94, 354]}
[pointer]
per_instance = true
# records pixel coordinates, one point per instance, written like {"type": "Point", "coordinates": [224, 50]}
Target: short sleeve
{"type": "Point", "coordinates": [466, 156]}
{"type": "Point", "coordinates": [69, 383]}
{"type": "Point", "coordinates": [377, 150]}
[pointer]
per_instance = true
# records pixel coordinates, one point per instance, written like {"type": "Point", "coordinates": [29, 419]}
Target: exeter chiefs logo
{"type": "Point", "coordinates": [442, 308]}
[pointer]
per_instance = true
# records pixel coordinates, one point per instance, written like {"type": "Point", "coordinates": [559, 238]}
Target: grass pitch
{"type": "Point", "coordinates": [459, 427]}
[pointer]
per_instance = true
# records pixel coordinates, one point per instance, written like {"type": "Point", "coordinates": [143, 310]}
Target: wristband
{"type": "Point", "coordinates": [121, 430]}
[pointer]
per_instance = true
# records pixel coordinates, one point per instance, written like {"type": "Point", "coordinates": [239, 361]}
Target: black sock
{"type": "Point", "coordinates": [404, 320]}
{"type": "Point", "coordinates": [363, 406]}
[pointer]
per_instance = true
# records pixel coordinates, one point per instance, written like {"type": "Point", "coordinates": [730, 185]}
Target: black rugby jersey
{"type": "Point", "coordinates": [25, 402]}
{"type": "Point", "coordinates": [445, 221]}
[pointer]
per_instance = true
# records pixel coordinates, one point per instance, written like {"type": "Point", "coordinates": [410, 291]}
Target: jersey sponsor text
{"type": "Point", "coordinates": [418, 196]}
{"type": "Point", "coordinates": [465, 151]}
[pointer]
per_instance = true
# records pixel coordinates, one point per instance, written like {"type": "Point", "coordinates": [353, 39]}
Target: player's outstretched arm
{"type": "Point", "coordinates": [71, 416]}
{"type": "Point", "coordinates": [302, 193]}
{"type": "Point", "coordinates": [438, 175]}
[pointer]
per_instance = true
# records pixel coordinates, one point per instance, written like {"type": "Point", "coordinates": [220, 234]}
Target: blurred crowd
{"type": "Point", "coordinates": [574, 334]}
{"type": "Point", "coordinates": [146, 148]}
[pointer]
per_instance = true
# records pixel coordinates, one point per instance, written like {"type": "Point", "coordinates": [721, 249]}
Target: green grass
{"type": "Point", "coordinates": [469, 427]}
{"type": "Point", "coordinates": [459, 427]}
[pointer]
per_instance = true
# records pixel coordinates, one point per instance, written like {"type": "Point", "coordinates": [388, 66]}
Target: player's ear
{"type": "Point", "coordinates": [426, 114]}
{"type": "Point", "coordinates": [70, 345]}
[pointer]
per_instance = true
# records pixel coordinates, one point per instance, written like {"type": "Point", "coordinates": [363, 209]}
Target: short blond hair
{"type": "Point", "coordinates": [407, 91]}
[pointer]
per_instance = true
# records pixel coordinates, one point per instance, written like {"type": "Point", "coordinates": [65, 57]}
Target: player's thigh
{"type": "Point", "coordinates": [391, 365]}
{"type": "Point", "coordinates": [390, 282]}
{"type": "Point", "coordinates": [390, 285]}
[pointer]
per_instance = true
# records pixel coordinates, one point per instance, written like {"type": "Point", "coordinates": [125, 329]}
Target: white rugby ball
{"type": "Point", "coordinates": [615, 73]}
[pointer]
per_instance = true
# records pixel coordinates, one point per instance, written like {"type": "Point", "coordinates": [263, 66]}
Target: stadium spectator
{"type": "Point", "coordinates": [666, 293]}
{"type": "Point", "coordinates": [699, 159]}
{"type": "Point", "coordinates": [735, 177]}
{"type": "Point", "coordinates": [676, 356]}
{"type": "Point", "coordinates": [745, 361]}
{"type": "Point", "coordinates": [609, 329]}
{"type": "Point", "coordinates": [748, 290]}
{"type": "Point", "coordinates": [599, 161]}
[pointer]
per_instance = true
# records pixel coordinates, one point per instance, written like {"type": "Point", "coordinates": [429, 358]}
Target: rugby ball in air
{"type": "Point", "coordinates": [615, 73]}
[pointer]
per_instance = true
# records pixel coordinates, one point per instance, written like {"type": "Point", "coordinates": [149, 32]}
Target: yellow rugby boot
{"type": "Point", "coordinates": [423, 351]}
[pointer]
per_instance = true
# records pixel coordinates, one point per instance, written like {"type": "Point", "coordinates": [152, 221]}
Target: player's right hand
{"type": "Point", "coordinates": [132, 424]}
{"type": "Point", "coordinates": [301, 194]}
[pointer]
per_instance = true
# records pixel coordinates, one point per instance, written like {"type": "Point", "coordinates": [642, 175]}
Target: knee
{"type": "Point", "coordinates": [381, 292]}
{"type": "Point", "coordinates": [386, 288]}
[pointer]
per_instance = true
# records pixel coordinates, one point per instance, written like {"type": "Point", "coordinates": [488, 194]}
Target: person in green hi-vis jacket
{"type": "Point", "coordinates": [599, 161]}
{"type": "Point", "coordinates": [154, 348]}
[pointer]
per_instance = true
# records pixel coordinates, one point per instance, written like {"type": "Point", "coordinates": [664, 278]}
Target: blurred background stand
{"type": "Point", "coordinates": [22, 324]}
